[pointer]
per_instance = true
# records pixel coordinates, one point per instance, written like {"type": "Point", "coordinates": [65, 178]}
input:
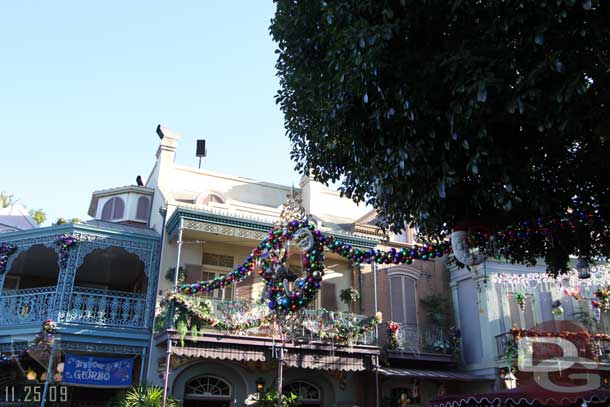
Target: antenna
{"type": "Point", "coordinates": [201, 151]}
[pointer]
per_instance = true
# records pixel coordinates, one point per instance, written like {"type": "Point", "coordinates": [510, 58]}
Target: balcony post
{"type": "Point", "coordinates": [374, 270]}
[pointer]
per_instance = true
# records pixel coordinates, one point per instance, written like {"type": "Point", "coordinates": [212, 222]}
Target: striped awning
{"type": "Point", "coordinates": [430, 374]}
{"type": "Point", "coordinates": [347, 363]}
{"type": "Point", "coordinates": [222, 352]}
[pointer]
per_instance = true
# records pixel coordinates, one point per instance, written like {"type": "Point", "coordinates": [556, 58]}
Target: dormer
{"type": "Point", "coordinates": [127, 205]}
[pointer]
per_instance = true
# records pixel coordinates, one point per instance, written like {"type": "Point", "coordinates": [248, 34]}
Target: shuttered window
{"type": "Point", "coordinates": [403, 299]}
{"type": "Point", "coordinates": [113, 209]}
{"type": "Point", "coordinates": [143, 208]}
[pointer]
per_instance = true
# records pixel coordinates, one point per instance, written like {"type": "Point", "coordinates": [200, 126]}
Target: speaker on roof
{"type": "Point", "coordinates": [201, 152]}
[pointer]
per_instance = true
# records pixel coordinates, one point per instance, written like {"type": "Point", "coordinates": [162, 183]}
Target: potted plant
{"type": "Point", "coordinates": [349, 296]}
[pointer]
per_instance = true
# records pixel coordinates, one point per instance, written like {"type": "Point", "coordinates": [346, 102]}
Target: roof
{"type": "Point", "coordinates": [122, 227]}
{"type": "Point", "coordinates": [16, 217]}
{"type": "Point", "coordinates": [430, 374]}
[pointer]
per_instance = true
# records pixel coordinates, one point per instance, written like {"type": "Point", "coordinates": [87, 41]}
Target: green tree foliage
{"type": "Point", "coordinates": [6, 200]}
{"type": "Point", "coordinates": [269, 399]}
{"type": "Point", "coordinates": [63, 221]}
{"type": "Point", "coordinates": [38, 215]}
{"type": "Point", "coordinates": [442, 112]}
{"type": "Point", "coordinates": [142, 396]}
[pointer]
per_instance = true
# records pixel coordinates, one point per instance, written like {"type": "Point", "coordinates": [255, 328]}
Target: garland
{"type": "Point", "coordinates": [195, 314]}
{"type": "Point", "coordinates": [43, 341]}
{"type": "Point", "coordinates": [523, 242]}
{"type": "Point", "coordinates": [6, 249]}
{"type": "Point", "coordinates": [64, 243]}
{"type": "Point", "coordinates": [455, 339]}
{"type": "Point", "coordinates": [271, 255]}
{"type": "Point", "coordinates": [392, 331]}
{"type": "Point", "coordinates": [519, 333]}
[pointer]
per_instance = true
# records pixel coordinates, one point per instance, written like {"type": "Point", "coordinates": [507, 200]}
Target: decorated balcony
{"type": "Point", "coordinates": [78, 275]}
{"type": "Point", "coordinates": [250, 318]}
{"type": "Point", "coordinates": [425, 342]}
{"type": "Point", "coordinates": [594, 347]}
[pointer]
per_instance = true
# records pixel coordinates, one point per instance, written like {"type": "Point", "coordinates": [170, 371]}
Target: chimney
{"type": "Point", "coordinates": [167, 146]}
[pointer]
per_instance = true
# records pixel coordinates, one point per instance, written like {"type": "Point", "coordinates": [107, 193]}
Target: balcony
{"type": "Point", "coordinates": [310, 325]}
{"type": "Point", "coordinates": [596, 347]}
{"type": "Point", "coordinates": [98, 307]}
{"type": "Point", "coordinates": [424, 342]}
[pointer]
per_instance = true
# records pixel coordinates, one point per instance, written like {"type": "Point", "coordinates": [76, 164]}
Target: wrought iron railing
{"type": "Point", "coordinates": [106, 307]}
{"type": "Point", "coordinates": [86, 306]}
{"type": "Point", "coordinates": [414, 338]}
{"type": "Point", "coordinates": [308, 325]}
{"type": "Point", "coordinates": [505, 346]}
{"type": "Point", "coordinates": [26, 305]}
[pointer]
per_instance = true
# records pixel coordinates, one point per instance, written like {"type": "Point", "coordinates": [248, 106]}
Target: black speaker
{"type": "Point", "coordinates": [201, 148]}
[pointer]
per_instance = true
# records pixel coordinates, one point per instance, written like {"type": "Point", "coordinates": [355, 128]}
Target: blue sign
{"type": "Point", "coordinates": [94, 371]}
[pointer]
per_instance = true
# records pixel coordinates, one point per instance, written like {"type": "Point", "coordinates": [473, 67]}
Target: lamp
{"type": "Point", "coordinates": [31, 375]}
{"type": "Point", "coordinates": [60, 367]}
{"type": "Point", "coordinates": [583, 268]}
{"type": "Point", "coordinates": [260, 385]}
{"type": "Point", "coordinates": [510, 381]}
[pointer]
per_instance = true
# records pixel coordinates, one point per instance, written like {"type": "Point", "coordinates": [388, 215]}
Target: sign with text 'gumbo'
{"type": "Point", "coordinates": [99, 372]}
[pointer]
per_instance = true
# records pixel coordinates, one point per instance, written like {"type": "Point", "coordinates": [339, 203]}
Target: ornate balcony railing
{"type": "Point", "coordinates": [86, 306]}
{"type": "Point", "coordinates": [505, 346]}
{"type": "Point", "coordinates": [26, 306]}
{"type": "Point", "coordinates": [309, 325]}
{"type": "Point", "coordinates": [413, 338]}
{"type": "Point", "coordinates": [106, 307]}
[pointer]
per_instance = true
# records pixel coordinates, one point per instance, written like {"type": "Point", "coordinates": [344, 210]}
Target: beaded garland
{"type": "Point", "coordinates": [271, 255]}
{"type": "Point", "coordinates": [64, 243]}
{"type": "Point", "coordinates": [6, 249]}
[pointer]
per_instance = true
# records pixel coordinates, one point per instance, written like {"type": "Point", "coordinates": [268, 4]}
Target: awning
{"type": "Point", "coordinates": [224, 352]}
{"type": "Point", "coordinates": [347, 363]}
{"type": "Point", "coordinates": [524, 396]}
{"type": "Point", "coordinates": [430, 374]}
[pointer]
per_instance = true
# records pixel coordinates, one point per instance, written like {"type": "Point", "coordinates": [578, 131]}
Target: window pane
{"type": "Point", "coordinates": [142, 210]}
{"type": "Point", "coordinates": [119, 208]}
{"type": "Point", "coordinates": [410, 300]}
{"type": "Point", "coordinates": [397, 299]}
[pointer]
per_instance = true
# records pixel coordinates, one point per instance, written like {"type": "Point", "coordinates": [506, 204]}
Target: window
{"type": "Point", "coordinates": [143, 208]}
{"type": "Point", "coordinates": [207, 388]}
{"type": "Point", "coordinates": [308, 394]}
{"type": "Point", "coordinates": [196, 273]}
{"type": "Point", "coordinates": [403, 299]}
{"type": "Point", "coordinates": [113, 209]}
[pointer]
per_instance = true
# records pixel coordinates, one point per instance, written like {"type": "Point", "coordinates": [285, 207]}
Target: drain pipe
{"type": "Point", "coordinates": [168, 353]}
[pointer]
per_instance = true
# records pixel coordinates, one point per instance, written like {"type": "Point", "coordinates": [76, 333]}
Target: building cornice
{"type": "Point", "coordinates": [247, 223]}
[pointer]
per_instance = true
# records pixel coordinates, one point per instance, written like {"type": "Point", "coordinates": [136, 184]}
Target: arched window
{"type": "Point", "coordinates": [143, 208]}
{"type": "Point", "coordinates": [207, 388]}
{"type": "Point", "coordinates": [308, 394]}
{"type": "Point", "coordinates": [403, 298]}
{"type": "Point", "coordinates": [113, 209]}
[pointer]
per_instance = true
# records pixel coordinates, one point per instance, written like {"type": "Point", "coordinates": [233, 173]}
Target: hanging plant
{"type": "Point", "coordinates": [349, 296]}
{"type": "Point", "coordinates": [520, 299]}
{"type": "Point", "coordinates": [169, 275]}
{"type": "Point", "coordinates": [436, 309]}
{"type": "Point", "coordinates": [557, 309]}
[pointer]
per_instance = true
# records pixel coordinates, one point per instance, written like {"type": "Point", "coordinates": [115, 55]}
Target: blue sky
{"type": "Point", "coordinates": [84, 84]}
